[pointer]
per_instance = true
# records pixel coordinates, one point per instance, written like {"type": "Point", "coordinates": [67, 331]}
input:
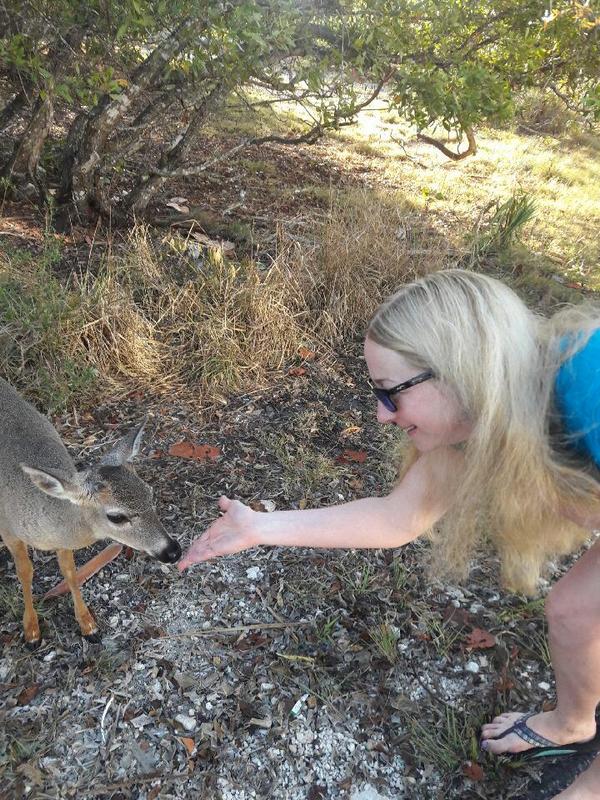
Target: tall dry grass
{"type": "Point", "coordinates": [152, 315]}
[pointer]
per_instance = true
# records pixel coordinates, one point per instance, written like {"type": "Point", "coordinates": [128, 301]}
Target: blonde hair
{"type": "Point", "coordinates": [500, 360]}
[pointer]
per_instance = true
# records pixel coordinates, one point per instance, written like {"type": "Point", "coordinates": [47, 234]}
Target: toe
{"type": "Point", "coordinates": [509, 744]}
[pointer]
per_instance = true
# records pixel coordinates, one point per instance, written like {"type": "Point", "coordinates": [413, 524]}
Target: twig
{"type": "Point", "coordinates": [429, 691]}
{"type": "Point", "coordinates": [103, 717]}
{"type": "Point", "coordinates": [153, 776]}
{"type": "Point", "coordinates": [235, 629]}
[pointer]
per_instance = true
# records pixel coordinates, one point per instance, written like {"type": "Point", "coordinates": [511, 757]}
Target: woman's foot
{"type": "Point", "coordinates": [547, 725]}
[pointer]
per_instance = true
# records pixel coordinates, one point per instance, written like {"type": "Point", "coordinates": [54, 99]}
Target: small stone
{"type": "Point", "coordinates": [254, 573]}
{"type": "Point", "coordinates": [472, 666]}
{"type": "Point", "coordinates": [186, 722]}
{"type": "Point", "coordinates": [545, 687]}
{"type": "Point", "coordinates": [140, 721]}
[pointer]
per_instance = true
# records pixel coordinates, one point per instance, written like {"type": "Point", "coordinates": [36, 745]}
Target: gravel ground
{"type": "Point", "coordinates": [291, 674]}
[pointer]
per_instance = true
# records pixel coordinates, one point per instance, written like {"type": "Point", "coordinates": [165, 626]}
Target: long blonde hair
{"type": "Point", "coordinates": [500, 360]}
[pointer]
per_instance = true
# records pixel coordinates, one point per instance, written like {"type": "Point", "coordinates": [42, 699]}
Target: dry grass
{"type": "Point", "coordinates": [561, 175]}
{"type": "Point", "coordinates": [371, 243]}
{"type": "Point", "coordinates": [155, 315]}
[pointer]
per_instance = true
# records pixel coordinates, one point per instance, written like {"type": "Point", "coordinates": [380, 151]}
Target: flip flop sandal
{"type": "Point", "coordinates": [542, 747]}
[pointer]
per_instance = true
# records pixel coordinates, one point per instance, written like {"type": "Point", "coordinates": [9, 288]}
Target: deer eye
{"type": "Point", "coordinates": [117, 519]}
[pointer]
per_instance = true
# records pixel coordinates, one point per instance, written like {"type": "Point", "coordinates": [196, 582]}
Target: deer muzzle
{"type": "Point", "coordinates": [169, 554]}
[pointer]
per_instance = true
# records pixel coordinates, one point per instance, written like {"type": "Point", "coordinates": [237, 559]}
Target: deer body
{"type": "Point", "coordinates": [45, 502]}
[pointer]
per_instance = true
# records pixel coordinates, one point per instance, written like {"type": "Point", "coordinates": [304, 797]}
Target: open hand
{"type": "Point", "coordinates": [228, 534]}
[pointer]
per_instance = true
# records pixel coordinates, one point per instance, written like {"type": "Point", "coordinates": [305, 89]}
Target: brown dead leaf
{"type": "Point", "coordinates": [352, 456]}
{"type": "Point", "coordinates": [26, 695]}
{"type": "Point", "coordinates": [188, 743]}
{"type": "Point", "coordinates": [504, 682]}
{"type": "Point", "coordinates": [479, 639]}
{"type": "Point", "coordinates": [457, 615]}
{"type": "Point", "coordinates": [350, 431]}
{"type": "Point", "coordinates": [89, 569]}
{"type": "Point", "coordinates": [217, 244]}
{"type": "Point", "coordinates": [473, 770]}
{"type": "Point", "coordinates": [297, 372]}
{"type": "Point", "coordinates": [306, 354]}
{"type": "Point", "coordinates": [198, 452]}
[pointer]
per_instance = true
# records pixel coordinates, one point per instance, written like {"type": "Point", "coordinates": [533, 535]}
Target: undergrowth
{"type": "Point", "coordinates": [155, 314]}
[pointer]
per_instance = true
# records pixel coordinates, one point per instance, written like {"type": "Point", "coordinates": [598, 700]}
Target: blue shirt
{"type": "Point", "coordinates": [577, 392]}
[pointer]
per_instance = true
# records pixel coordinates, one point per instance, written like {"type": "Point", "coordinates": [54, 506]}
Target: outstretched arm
{"type": "Point", "coordinates": [412, 507]}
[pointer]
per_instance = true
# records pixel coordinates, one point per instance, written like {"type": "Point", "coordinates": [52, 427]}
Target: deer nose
{"type": "Point", "coordinates": [171, 553]}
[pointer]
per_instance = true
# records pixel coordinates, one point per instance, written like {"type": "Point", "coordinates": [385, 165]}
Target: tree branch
{"type": "Point", "coordinates": [470, 151]}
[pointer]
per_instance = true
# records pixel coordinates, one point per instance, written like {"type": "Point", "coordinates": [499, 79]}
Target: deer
{"type": "Point", "coordinates": [49, 504]}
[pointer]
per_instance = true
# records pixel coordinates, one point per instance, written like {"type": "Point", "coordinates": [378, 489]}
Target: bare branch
{"type": "Point", "coordinates": [470, 151]}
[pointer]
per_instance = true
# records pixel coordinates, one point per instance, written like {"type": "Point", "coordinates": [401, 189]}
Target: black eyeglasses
{"type": "Point", "coordinates": [385, 395]}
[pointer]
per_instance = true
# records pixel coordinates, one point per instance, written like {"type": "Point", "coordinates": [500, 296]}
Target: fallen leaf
{"type": "Point", "coordinates": [33, 774]}
{"type": "Point", "coordinates": [457, 615]}
{"type": "Point", "coordinates": [350, 456]}
{"type": "Point", "coordinates": [224, 245]}
{"type": "Point", "coordinates": [178, 204]}
{"type": "Point", "coordinates": [199, 452]}
{"type": "Point", "coordinates": [480, 639]}
{"type": "Point", "coordinates": [188, 743]}
{"type": "Point", "coordinates": [26, 696]}
{"type": "Point", "coordinates": [297, 372]}
{"type": "Point", "coordinates": [89, 569]}
{"type": "Point", "coordinates": [306, 354]}
{"type": "Point", "coordinates": [473, 770]}
{"type": "Point", "coordinates": [350, 431]}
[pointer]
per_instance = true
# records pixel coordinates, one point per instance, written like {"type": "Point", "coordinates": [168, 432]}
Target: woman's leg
{"type": "Point", "coordinates": [573, 612]}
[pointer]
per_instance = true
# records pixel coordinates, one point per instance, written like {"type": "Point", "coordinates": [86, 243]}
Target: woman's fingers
{"type": "Point", "coordinates": [224, 502]}
{"type": "Point", "coordinates": [226, 535]}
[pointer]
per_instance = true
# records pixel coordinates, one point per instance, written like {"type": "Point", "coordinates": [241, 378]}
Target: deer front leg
{"type": "Point", "coordinates": [31, 626]}
{"type": "Point", "coordinates": [86, 621]}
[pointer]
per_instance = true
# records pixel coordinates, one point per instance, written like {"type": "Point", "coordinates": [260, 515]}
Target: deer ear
{"type": "Point", "coordinates": [126, 449]}
{"type": "Point", "coordinates": [54, 484]}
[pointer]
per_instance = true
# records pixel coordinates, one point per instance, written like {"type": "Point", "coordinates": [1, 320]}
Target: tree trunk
{"type": "Point", "coordinates": [22, 166]}
{"type": "Point", "coordinates": [150, 183]}
{"type": "Point", "coordinates": [12, 108]}
{"type": "Point", "coordinates": [80, 179]}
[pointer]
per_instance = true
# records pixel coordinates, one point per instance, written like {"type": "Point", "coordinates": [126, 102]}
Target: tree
{"type": "Point", "coordinates": [121, 73]}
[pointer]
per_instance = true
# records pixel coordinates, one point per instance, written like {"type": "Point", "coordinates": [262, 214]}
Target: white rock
{"type": "Point", "coordinates": [544, 686]}
{"type": "Point", "coordinates": [254, 573]}
{"type": "Point", "coordinates": [472, 666]}
{"type": "Point", "coordinates": [367, 793]}
{"type": "Point", "coordinates": [187, 722]}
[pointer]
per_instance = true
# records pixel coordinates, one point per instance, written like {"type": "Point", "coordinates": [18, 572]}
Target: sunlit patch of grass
{"type": "Point", "coordinates": [562, 176]}
{"type": "Point", "coordinates": [11, 601]}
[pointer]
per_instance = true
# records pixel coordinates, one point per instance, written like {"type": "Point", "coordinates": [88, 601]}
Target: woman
{"type": "Point", "coordinates": [503, 411]}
